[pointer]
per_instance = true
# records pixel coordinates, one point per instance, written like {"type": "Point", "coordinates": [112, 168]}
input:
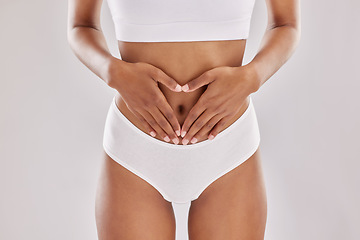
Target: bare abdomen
{"type": "Point", "coordinates": [182, 61]}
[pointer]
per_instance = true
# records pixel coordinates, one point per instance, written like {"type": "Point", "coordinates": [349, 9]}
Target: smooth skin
{"type": "Point", "coordinates": [148, 78]}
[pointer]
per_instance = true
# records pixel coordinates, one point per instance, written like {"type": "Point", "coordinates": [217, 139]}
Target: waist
{"type": "Point", "coordinates": [182, 61]}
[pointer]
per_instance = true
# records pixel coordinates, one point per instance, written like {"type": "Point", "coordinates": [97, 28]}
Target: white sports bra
{"type": "Point", "coordinates": [181, 21]}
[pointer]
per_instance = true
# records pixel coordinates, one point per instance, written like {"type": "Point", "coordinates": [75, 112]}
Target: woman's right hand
{"type": "Point", "coordinates": [137, 84]}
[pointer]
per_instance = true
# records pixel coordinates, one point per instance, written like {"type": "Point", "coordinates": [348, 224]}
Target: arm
{"type": "Point", "coordinates": [281, 37]}
{"type": "Point", "coordinates": [136, 82]}
{"type": "Point", "coordinates": [279, 42]}
{"type": "Point", "coordinates": [86, 38]}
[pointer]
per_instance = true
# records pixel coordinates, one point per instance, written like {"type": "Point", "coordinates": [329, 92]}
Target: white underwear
{"type": "Point", "coordinates": [180, 173]}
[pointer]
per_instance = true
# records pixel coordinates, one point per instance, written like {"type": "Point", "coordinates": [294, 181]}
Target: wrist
{"type": "Point", "coordinates": [252, 77]}
{"type": "Point", "coordinates": [115, 69]}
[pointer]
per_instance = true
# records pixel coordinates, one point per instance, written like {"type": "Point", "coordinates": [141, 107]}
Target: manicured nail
{"type": "Point", "coordinates": [183, 133]}
{"type": "Point", "coordinates": [178, 88]}
{"type": "Point", "coordinates": [211, 137]}
{"type": "Point", "coordinates": [177, 132]}
{"type": "Point", "coordinates": [185, 87]}
{"type": "Point", "coordinates": [176, 140]}
{"type": "Point", "coordinates": [185, 141]}
{"type": "Point", "coordinates": [167, 139]}
{"type": "Point", "coordinates": [193, 140]}
{"type": "Point", "coordinates": [152, 133]}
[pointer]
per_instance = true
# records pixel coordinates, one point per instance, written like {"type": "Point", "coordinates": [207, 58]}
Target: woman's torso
{"type": "Point", "coordinates": [182, 61]}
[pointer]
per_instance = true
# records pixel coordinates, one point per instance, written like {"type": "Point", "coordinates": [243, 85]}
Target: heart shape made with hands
{"type": "Point", "coordinates": [196, 83]}
{"type": "Point", "coordinates": [185, 88]}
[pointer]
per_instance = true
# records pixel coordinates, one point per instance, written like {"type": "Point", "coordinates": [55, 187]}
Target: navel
{"type": "Point", "coordinates": [181, 109]}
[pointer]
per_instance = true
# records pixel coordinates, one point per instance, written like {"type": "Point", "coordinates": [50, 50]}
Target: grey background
{"type": "Point", "coordinates": [53, 112]}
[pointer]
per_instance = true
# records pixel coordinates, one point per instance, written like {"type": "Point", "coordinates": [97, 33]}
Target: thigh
{"type": "Point", "coordinates": [127, 207]}
{"type": "Point", "coordinates": [233, 207]}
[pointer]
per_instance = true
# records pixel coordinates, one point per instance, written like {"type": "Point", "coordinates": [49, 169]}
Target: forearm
{"type": "Point", "coordinates": [276, 47]}
{"type": "Point", "coordinates": [89, 46]}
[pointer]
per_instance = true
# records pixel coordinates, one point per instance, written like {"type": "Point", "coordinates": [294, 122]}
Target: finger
{"type": "Point", "coordinates": [219, 127]}
{"type": "Point", "coordinates": [208, 127]}
{"type": "Point", "coordinates": [153, 123]}
{"type": "Point", "coordinates": [160, 76]}
{"type": "Point", "coordinates": [193, 114]}
{"type": "Point", "coordinates": [164, 124]}
{"type": "Point", "coordinates": [170, 116]}
{"type": "Point", "coordinates": [198, 124]}
{"type": "Point", "coordinates": [147, 126]}
{"type": "Point", "coordinates": [200, 81]}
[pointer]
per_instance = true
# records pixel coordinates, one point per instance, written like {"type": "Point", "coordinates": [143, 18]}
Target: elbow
{"type": "Point", "coordinates": [294, 29]}
{"type": "Point", "coordinates": [70, 33]}
{"type": "Point", "coordinates": [73, 28]}
{"type": "Point", "coordinates": [70, 28]}
{"type": "Point", "coordinates": [69, 36]}
{"type": "Point", "coordinates": [297, 34]}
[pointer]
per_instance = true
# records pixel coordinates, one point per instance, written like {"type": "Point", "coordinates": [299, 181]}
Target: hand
{"type": "Point", "coordinates": [228, 87]}
{"type": "Point", "coordinates": [137, 85]}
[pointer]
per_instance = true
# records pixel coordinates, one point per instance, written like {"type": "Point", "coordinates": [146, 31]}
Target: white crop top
{"type": "Point", "coordinates": [181, 21]}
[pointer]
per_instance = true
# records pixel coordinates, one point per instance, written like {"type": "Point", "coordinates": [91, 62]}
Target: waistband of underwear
{"type": "Point", "coordinates": [221, 134]}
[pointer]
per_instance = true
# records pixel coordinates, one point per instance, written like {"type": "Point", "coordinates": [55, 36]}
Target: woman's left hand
{"type": "Point", "coordinates": [227, 89]}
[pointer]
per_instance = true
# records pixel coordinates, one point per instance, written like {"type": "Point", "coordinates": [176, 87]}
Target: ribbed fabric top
{"type": "Point", "coordinates": [181, 21]}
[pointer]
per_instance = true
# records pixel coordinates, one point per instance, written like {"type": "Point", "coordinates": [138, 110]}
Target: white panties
{"type": "Point", "coordinates": [180, 173]}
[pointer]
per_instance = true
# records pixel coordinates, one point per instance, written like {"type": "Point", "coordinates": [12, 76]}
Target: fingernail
{"type": "Point", "coordinates": [152, 133]}
{"type": "Point", "coordinates": [185, 141]}
{"type": "Point", "coordinates": [185, 87]}
{"type": "Point", "coordinates": [177, 132]}
{"type": "Point", "coordinates": [211, 137]}
{"type": "Point", "coordinates": [175, 140]}
{"type": "Point", "coordinates": [193, 140]}
{"type": "Point", "coordinates": [167, 139]}
{"type": "Point", "coordinates": [178, 88]}
{"type": "Point", "coordinates": [183, 133]}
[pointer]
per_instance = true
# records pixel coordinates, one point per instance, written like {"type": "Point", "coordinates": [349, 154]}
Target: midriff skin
{"type": "Point", "coordinates": [182, 61]}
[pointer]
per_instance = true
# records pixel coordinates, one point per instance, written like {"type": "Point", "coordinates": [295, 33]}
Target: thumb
{"type": "Point", "coordinates": [168, 81]}
{"type": "Point", "coordinates": [200, 81]}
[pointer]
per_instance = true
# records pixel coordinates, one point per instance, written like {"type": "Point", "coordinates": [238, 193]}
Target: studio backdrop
{"type": "Point", "coordinates": [53, 112]}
